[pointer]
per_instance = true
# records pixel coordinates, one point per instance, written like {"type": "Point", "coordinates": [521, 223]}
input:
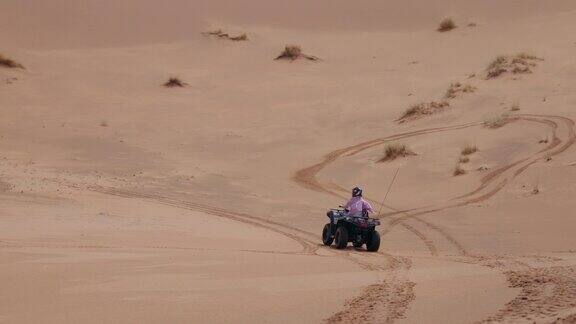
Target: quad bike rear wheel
{"type": "Point", "coordinates": [341, 237]}
{"type": "Point", "coordinates": [327, 237]}
{"type": "Point", "coordinates": [373, 243]}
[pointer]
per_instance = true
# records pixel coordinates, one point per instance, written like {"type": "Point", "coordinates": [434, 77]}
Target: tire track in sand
{"type": "Point", "coordinates": [357, 310]}
{"type": "Point", "coordinates": [392, 307]}
{"type": "Point", "coordinates": [491, 184]}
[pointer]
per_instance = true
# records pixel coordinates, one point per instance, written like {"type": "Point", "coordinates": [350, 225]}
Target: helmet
{"type": "Point", "coordinates": [357, 192]}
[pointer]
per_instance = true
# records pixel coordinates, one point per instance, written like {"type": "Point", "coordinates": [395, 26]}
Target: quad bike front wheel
{"type": "Point", "coordinates": [341, 237]}
{"type": "Point", "coordinates": [327, 237]}
{"type": "Point", "coordinates": [373, 243]}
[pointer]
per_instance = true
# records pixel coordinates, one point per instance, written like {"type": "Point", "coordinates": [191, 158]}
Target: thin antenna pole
{"type": "Point", "coordinates": [387, 192]}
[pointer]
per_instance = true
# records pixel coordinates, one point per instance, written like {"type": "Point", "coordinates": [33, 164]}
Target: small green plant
{"type": "Point", "coordinates": [446, 24]}
{"type": "Point", "coordinates": [394, 151]}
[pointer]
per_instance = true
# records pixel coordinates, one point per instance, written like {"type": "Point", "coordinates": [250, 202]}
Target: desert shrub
{"type": "Point", "coordinates": [241, 37]}
{"type": "Point", "coordinates": [174, 82]}
{"type": "Point", "coordinates": [458, 170]}
{"type": "Point", "coordinates": [496, 121]}
{"type": "Point", "coordinates": [217, 32]}
{"type": "Point", "coordinates": [221, 34]}
{"type": "Point", "coordinates": [290, 52]}
{"type": "Point", "coordinates": [293, 52]}
{"type": "Point", "coordinates": [469, 149]}
{"type": "Point", "coordinates": [9, 63]}
{"type": "Point", "coordinates": [521, 63]}
{"type": "Point", "coordinates": [456, 89]}
{"type": "Point", "coordinates": [422, 109]}
{"type": "Point", "coordinates": [464, 159]}
{"type": "Point", "coordinates": [446, 24]}
{"type": "Point", "coordinates": [394, 151]}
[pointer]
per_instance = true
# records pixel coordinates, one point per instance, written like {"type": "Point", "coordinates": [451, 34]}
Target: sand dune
{"type": "Point", "coordinates": [127, 201]}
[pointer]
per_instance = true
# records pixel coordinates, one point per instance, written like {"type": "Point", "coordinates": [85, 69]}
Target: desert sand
{"type": "Point", "coordinates": [124, 201]}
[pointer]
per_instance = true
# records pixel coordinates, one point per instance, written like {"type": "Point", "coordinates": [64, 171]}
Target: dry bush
{"type": "Point", "coordinates": [497, 121]}
{"type": "Point", "coordinates": [174, 82]}
{"type": "Point", "coordinates": [469, 149]}
{"type": "Point", "coordinates": [515, 107]}
{"type": "Point", "coordinates": [291, 52]}
{"type": "Point", "coordinates": [9, 63]}
{"type": "Point", "coordinates": [217, 32]}
{"type": "Point", "coordinates": [535, 188]}
{"type": "Point", "coordinates": [464, 159]}
{"type": "Point", "coordinates": [517, 64]}
{"type": "Point", "coordinates": [446, 24]}
{"type": "Point", "coordinates": [458, 170]}
{"type": "Point", "coordinates": [241, 37]}
{"type": "Point", "coordinates": [294, 52]}
{"type": "Point", "coordinates": [221, 34]}
{"type": "Point", "coordinates": [457, 89]}
{"type": "Point", "coordinates": [422, 109]}
{"type": "Point", "coordinates": [394, 151]}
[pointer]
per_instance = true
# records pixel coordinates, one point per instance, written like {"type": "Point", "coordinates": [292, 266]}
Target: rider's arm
{"type": "Point", "coordinates": [366, 206]}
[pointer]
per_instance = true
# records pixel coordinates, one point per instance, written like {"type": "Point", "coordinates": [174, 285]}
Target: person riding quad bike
{"type": "Point", "coordinates": [357, 206]}
{"type": "Point", "coordinates": [352, 224]}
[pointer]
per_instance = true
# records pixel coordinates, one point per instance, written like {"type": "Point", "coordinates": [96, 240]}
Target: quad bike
{"type": "Point", "coordinates": [344, 228]}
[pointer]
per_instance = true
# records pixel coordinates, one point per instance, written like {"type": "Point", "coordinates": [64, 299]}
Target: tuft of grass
{"type": "Point", "coordinates": [291, 52]}
{"type": "Point", "coordinates": [515, 106]}
{"type": "Point", "coordinates": [456, 89]}
{"type": "Point", "coordinates": [464, 159]}
{"type": "Point", "coordinates": [394, 151]}
{"type": "Point", "coordinates": [294, 52]}
{"type": "Point", "coordinates": [103, 123]}
{"type": "Point", "coordinates": [496, 121]}
{"type": "Point", "coordinates": [422, 109]}
{"type": "Point", "coordinates": [520, 63]}
{"type": "Point", "coordinates": [10, 63]}
{"type": "Point", "coordinates": [221, 34]}
{"type": "Point", "coordinates": [458, 170]}
{"type": "Point", "coordinates": [469, 149]}
{"type": "Point", "coordinates": [447, 24]}
{"type": "Point", "coordinates": [175, 82]}
{"type": "Point", "coordinates": [239, 38]}
{"type": "Point", "coordinates": [535, 188]}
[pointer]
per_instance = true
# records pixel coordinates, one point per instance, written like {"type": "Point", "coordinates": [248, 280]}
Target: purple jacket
{"type": "Point", "coordinates": [357, 204]}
